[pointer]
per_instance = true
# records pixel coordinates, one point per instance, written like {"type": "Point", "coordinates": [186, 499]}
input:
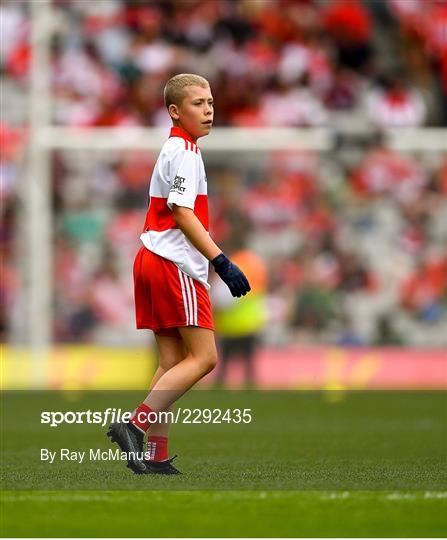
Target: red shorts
{"type": "Point", "coordinates": [166, 297]}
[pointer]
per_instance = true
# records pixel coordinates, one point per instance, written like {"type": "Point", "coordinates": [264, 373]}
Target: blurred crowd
{"type": "Point", "coordinates": [353, 239]}
{"type": "Point", "coordinates": [276, 62]}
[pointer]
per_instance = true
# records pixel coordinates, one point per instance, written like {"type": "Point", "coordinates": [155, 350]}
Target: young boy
{"type": "Point", "coordinates": [171, 275]}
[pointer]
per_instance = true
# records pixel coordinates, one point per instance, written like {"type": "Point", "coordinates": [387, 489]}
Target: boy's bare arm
{"type": "Point", "coordinates": [196, 233]}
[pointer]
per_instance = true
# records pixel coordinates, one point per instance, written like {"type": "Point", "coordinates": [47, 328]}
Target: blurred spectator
{"type": "Point", "coordinates": [240, 322]}
{"type": "Point", "coordinates": [348, 335]}
{"type": "Point", "coordinates": [384, 172]}
{"type": "Point", "coordinates": [386, 334]}
{"type": "Point", "coordinates": [11, 152]}
{"type": "Point", "coordinates": [349, 23]}
{"type": "Point", "coordinates": [424, 291]}
{"type": "Point", "coordinates": [354, 275]}
{"type": "Point", "coordinates": [414, 236]}
{"type": "Point", "coordinates": [344, 90]}
{"type": "Point", "coordinates": [84, 87]}
{"type": "Point", "coordinates": [112, 296]}
{"type": "Point", "coordinates": [83, 223]}
{"type": "Point", "coordinates": [313, 306]}
{"type": "Point", "coordinates": [317, 218]}
{"type": "Point", "coordinates": [441, 180]}
{"type": "Point", "coordinates": [286, 105]}
{"type": "Point", "coordinates": [270, 205]}
{"type": "Point", "coordinates": [134, 174]}
{"type": "Point", "coordinates": [123, 231]}
{"type": "Point", "coordinates": [81, 322]}
{"type": "Point", "coordinates": [9, 288]}
{"type": "Point", "coordinates": [313, 309]}
{"type": "Point", "coordinates": [394, 104]}
{"type": "Point", "coordinates": [15, 49]}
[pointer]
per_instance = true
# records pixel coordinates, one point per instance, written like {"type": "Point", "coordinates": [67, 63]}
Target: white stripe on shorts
{"type": "Point", "coordinates": [190, 307]}
{"type": "Point", "coordinates": [189, 296]}
{"type": "Point", "coordinates": [194, 300]}
{"type": "Point", "coordinates": [185, 303]}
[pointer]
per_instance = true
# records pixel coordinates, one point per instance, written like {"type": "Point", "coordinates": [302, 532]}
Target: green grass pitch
{"type": "Point", "coordinates": [309, 464]}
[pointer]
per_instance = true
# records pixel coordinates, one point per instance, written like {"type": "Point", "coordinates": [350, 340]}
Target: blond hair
{"type": "Point", "coordinates": [174, 90]}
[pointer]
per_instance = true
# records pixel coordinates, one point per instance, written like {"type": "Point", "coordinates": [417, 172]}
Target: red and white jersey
{"type": "Point", "coordinates": [178, 178]}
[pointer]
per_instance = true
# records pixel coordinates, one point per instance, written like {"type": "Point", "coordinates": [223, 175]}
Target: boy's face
{"type": "Point", "coordinates": [195, 114]}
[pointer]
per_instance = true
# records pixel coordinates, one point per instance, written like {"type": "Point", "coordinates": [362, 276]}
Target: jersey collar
{"type": "Point", "coordinates": [180, 132]}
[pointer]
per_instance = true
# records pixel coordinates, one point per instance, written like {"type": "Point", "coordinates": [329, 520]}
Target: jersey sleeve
{"type": "Point", "coordinates": [184, 180]}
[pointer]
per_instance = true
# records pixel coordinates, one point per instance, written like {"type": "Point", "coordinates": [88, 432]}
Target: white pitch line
{"type": "Point", "coordinates": [223, 495]}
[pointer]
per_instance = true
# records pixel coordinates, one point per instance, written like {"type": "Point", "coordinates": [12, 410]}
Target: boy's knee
{"type": "Point", "coordinates": [209, 362]}
{"type": "Point", "coordinates": [168, 363]}
{"type": "Point", "coordinates": [213, 362]}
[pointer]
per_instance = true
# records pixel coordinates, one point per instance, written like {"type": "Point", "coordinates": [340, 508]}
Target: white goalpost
{"type": "Point", "coordinates": [35, 194]}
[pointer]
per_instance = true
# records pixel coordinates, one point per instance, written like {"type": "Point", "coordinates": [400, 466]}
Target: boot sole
{"type": "Point", "coordinates": [117, 438]}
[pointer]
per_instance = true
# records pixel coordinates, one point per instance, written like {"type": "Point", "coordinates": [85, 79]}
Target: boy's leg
{"type": "Point", "coordinates": [201, 358]}
{"type": "Point", "coordinates": [171, 351]}
{"type": "Point", "coordinates": [170, 385]}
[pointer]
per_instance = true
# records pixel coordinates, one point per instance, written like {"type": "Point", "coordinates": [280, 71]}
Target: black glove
{"type": "Point", "coordinates": [231, 275]}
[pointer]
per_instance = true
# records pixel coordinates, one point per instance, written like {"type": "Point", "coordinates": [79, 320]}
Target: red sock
{"type": "Point", "coordinates": [157, 448]}
{"type": "Point", "coordinates": [140, 417]}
